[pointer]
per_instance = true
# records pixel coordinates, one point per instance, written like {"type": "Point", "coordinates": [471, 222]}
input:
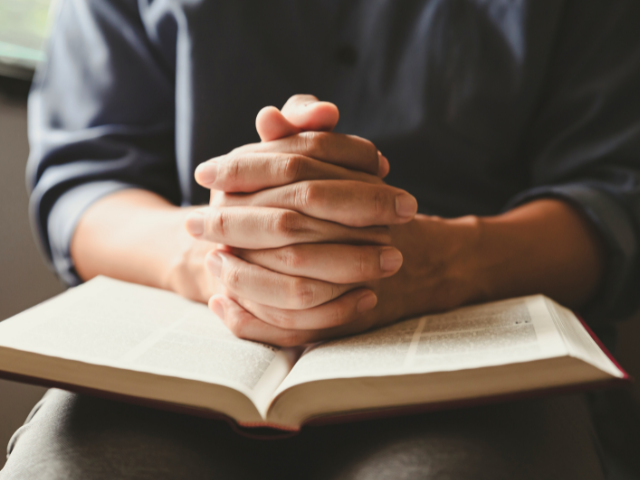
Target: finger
{"type": "Point", "coordinates": [383, 167]}
{"type": "Point", "coordinates": [348, 151]}
{"type": "Point", "coordinates": [264, 227]}
{"type": "Point", "coordinates": [341, 311]}
{"type": "Point", "coordinates": [271, 125]}
{"type": "Point", "coordinates": [355, 204]}
{"type": "Point", "coordinates": [300, 113]}
{"type": "Point", "coordinates": [335, 263]}
{"type": "Point", "coordinates": [308, 113]}
{"type": "Point", "coordinates": [245, 325]}
{"type": "Point", "coordinates": [250, 172]}
{"type": "Point", "coordinates": [260, 285]}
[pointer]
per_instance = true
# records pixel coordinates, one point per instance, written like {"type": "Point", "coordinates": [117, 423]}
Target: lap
{"type": "Point", "coordinates": [73, 436]}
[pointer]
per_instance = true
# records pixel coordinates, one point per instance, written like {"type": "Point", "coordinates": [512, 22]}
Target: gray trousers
{"type": "Point", "coordinates": [70, 437]}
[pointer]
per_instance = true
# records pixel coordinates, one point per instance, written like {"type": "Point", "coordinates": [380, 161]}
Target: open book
{"type": "Point", "coordinates": [150, 346]}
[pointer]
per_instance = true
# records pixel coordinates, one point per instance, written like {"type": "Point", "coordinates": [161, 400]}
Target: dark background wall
{"type": "Point", "coordinates": [24, 279]}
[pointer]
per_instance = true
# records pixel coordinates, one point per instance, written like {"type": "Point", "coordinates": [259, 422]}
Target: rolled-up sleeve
{"type": "Point", "coordinates": [583, 145]}
{"type": "Point", "coordinates": [101, 119]}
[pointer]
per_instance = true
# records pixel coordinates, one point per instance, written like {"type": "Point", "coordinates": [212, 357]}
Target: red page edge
{"type": "Point", "coordinates": [606, 351]}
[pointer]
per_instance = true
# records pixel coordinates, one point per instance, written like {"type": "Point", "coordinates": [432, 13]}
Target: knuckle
{"type": "Point", "coordinates": [293, 168]}
{"type": "Point", "coordinates": [302, 293]}
{"type": "Point", "coordinates": [291, 258]}
{"type": "Point", "coordinates": [303, 194]}
{"type": "Point", "coordinates": [315, 194]}
{"type": "Point", "coordinates": [378, 204]}
{"type": "Point", "coordinates": [314, 143]}
{"type": "Point", "coordinates": [218, 223]}
{"type": "Point", "coordinates": [288, 223]}
{"type": "Point", "coordinates": [232, 277]}
{"type": "Point", "coordinates": [232, 170]}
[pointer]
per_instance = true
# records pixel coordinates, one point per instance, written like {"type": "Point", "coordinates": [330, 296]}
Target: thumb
{"type": "Point", "coordinates": [271, 125]}
{"type": "Point", "coordinates": [310, 114]}
{"type": "Point", "coordinates": [300, 113]}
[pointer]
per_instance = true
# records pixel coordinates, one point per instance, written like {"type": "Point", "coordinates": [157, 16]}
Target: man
{"type": "Point", "coordinates": [516, 123]}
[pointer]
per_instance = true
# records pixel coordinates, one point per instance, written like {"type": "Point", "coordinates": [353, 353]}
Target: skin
{"type": "Point", "coordinates": [303, 241]}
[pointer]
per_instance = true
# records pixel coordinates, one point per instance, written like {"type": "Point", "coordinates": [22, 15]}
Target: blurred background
{"type": "Point", "coordinates": [24, 278]}
{"type": "Point", "coordinates": [23, 26]}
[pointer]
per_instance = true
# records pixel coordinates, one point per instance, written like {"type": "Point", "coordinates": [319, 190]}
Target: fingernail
{"type": "Point", "coordinates": [214, 263]}
{"type": "Point", "coordinates": [206, 173]}
{"type": "Point", "coordinates": [406, 205]}
{"type": "Point", "coordinates": [218, 309]}
{"type": "Point", "coordinates": [195, 223]}
{"type": "Point", "coordinates": [366, 303]}
{"type": "Point", "coordinates": [390, 260]}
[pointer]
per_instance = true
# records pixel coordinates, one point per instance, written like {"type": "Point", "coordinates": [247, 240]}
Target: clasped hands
{"type": "Point", "coordinates": [310, 242]}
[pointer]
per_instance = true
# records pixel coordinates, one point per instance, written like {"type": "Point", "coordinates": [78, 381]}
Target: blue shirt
{"type": "Point", "coordinates": [479, 105]}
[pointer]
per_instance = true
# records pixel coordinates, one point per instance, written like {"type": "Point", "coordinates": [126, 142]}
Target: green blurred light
{"type": "Point", "coordinates": [18, 52]}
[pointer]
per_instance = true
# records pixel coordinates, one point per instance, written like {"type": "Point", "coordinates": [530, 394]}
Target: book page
{"type": "Point", "coordinates": [509, 331]}
{"type": "Point", "coordinates": [578, 340]}
{"type": "Point", "coordinates": [113, 323]}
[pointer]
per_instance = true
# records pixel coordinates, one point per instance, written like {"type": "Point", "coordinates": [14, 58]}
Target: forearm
{"type": "Point", "coordinates": [136, 236]}
{"type": "Point", "coordinates": [545, 246]}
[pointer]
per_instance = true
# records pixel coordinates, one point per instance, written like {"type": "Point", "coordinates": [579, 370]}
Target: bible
{"type": "Point", "coordinates": [149, 346]}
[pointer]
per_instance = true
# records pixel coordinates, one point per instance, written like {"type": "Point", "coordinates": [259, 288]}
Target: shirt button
{"type": "Point", "coordinates": [346, 55]}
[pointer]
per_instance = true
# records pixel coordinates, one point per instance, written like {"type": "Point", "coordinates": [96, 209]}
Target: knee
{"type": "Point", "coordinates": [77, 437]}
{"type": "Point", "coordinates": [31, 452]}
{"type": "Point", "coordinates": [519, 440]}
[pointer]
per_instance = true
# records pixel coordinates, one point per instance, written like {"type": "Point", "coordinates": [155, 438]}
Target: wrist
{"type": "Point", "coordinates": [183, 269]}
{"type": "Point", "coordinates": [546, 247]}
{"type": "Point", "coordinates": [441, 270]}
{"type": "Point", "coordinates": [174, 262]}
{"type": "Point", "coordinates": [465, 276]}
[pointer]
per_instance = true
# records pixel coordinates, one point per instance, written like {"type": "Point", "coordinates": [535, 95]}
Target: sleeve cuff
{"type": "Point", "coordinates": [63, 219]}
{"type": "Point", "coordinates": [615, 298]}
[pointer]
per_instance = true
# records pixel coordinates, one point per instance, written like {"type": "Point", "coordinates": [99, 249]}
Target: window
{"type": "Point", "coordinates": [23, 25]}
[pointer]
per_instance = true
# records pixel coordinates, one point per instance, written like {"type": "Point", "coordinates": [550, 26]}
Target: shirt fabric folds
{"type": "Point", "coordinates": [479, 106]}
